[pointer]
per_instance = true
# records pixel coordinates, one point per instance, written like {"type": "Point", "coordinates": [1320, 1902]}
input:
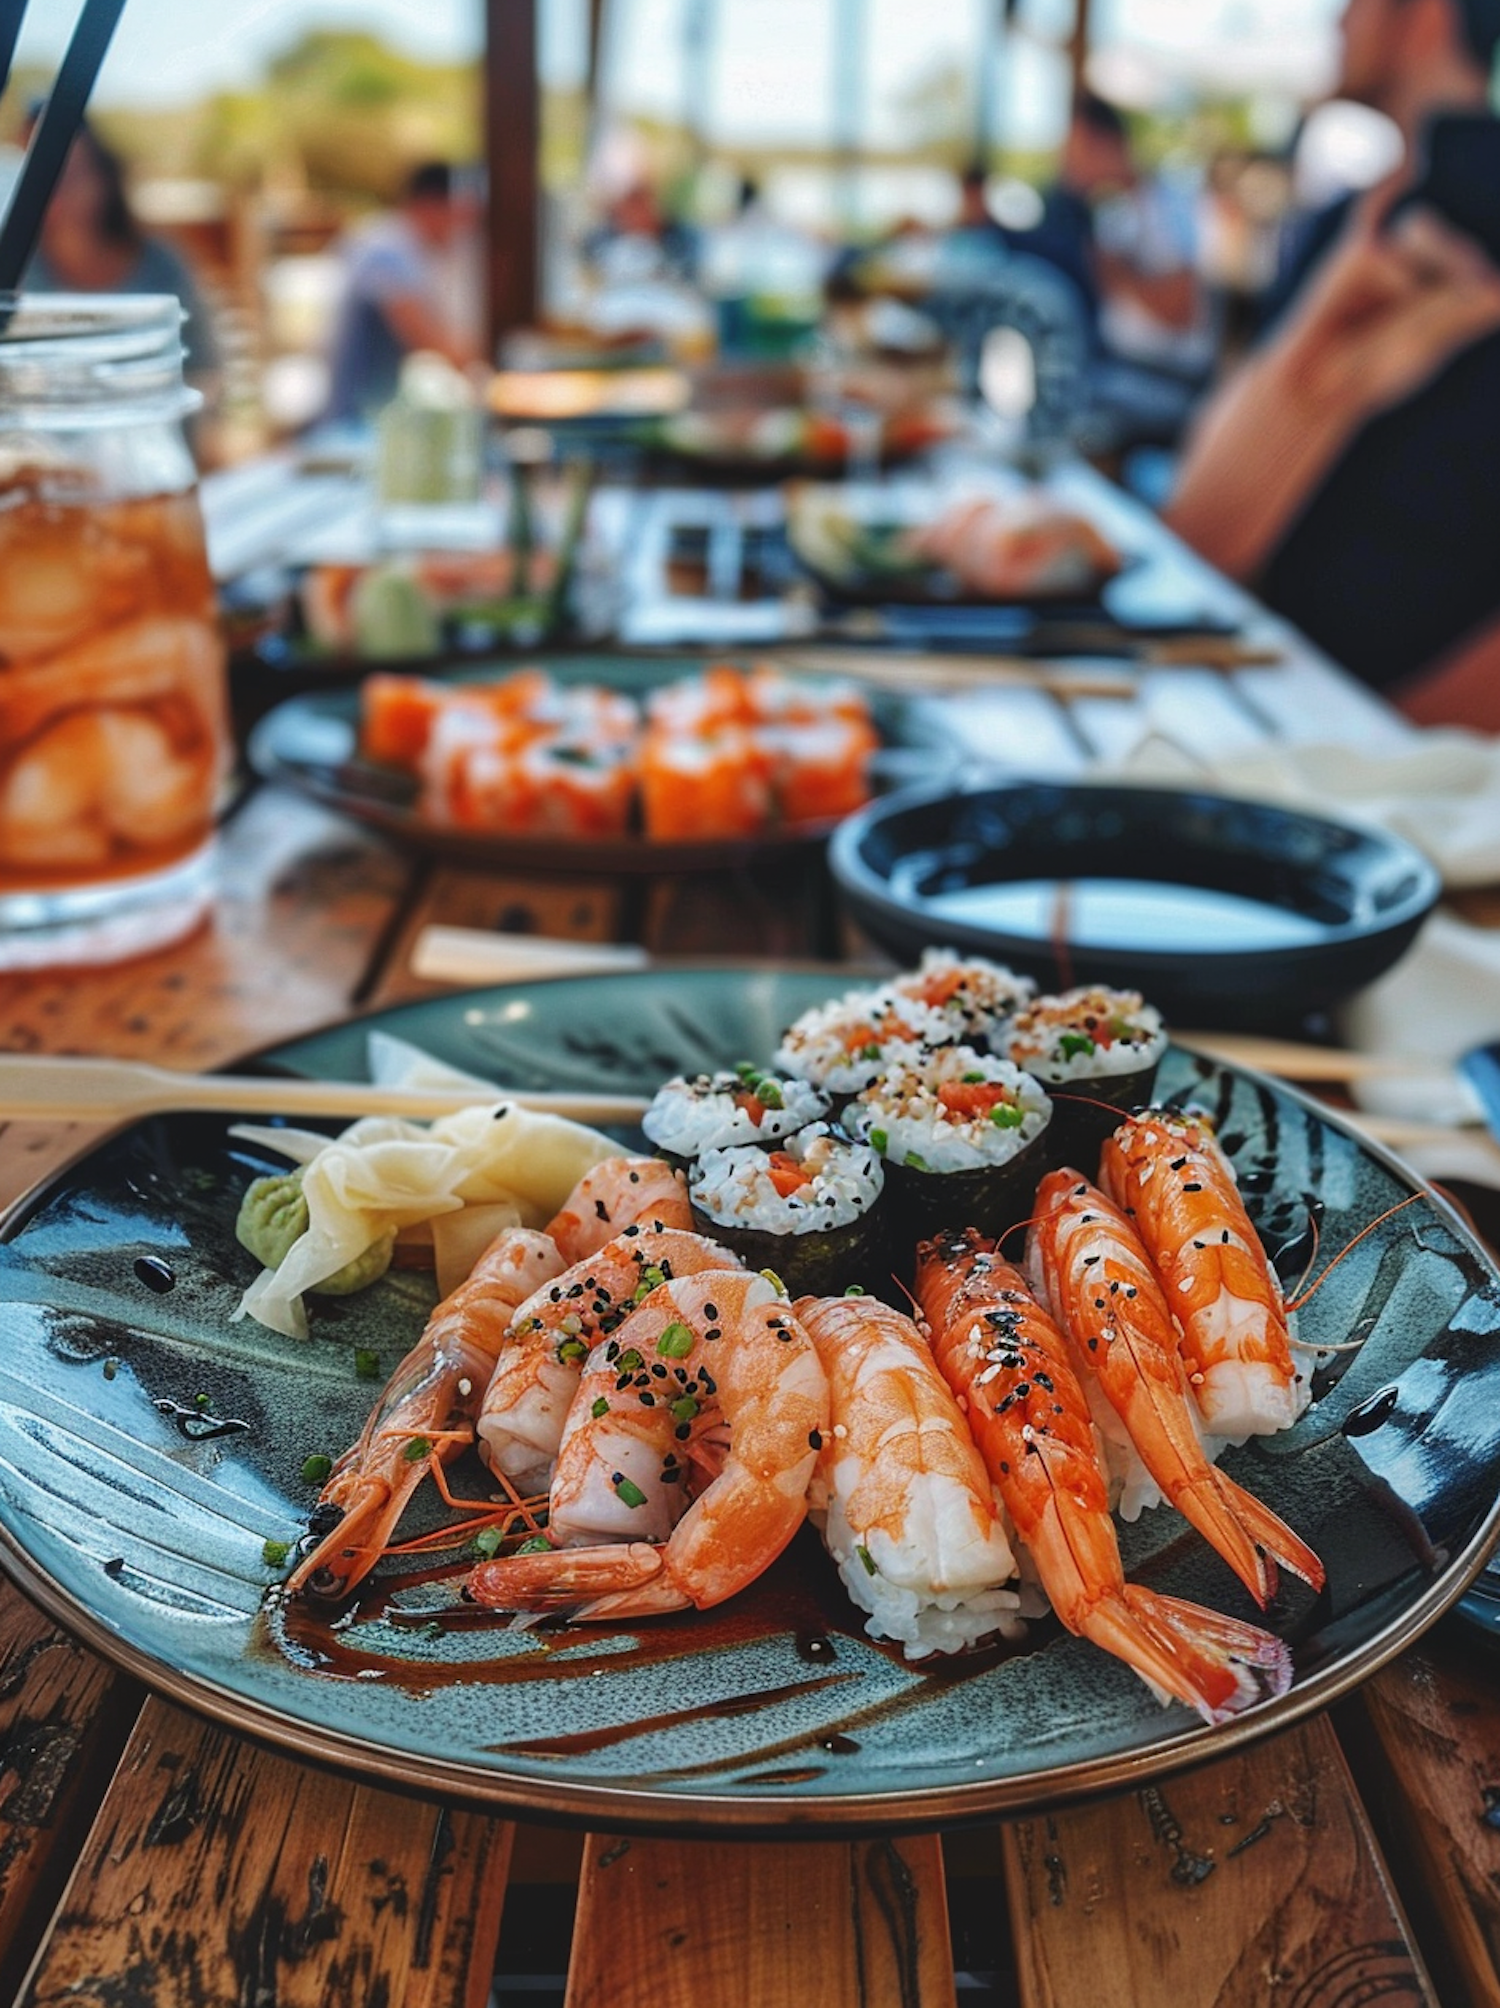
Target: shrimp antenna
{"type": "Point", "coordinates": [1314, 1227]}
{"type": "Point", "coordinates": [1296, 1303]}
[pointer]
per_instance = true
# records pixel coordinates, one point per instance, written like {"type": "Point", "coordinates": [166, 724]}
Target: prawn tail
{"type": "Point", "coordinates": [1215, 1506]}
{"type": "Point", "coordinates": [626, 1580]}
{"type": "Point", "coordinates": [1214, 1663]}
{"type": "Point", "coordinates": [1271, 1534]}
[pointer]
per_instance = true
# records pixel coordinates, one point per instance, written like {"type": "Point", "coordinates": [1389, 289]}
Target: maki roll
{"type": "Point", "coordinates": [808, 1211]}
{"type": "Point", "coordinates": [844, 1045]}
{"type": "Point", "coordinates": [703, 1112]}
{"type": "Point", "coordinates": [958, 1131]}
{"type": "Point", "coordinates": [1096, 1051]}
{"type": "Point", "coordinates": [978, 997]}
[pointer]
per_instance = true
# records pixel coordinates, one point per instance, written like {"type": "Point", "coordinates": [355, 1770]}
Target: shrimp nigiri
{"type": "Point", "coordinates": [907, 1508]}
{"type": "Point", "coordinates": [712, 1372]}
{"type": "Point", "coordinates": [1007, 1362]}
{"type": "Point", "coordinates": [1166, 1172]}
{"type": "Point", "coordinates": [1087, 1263]}
{"type": "Point", "coordinates": [537, 1370]}
{"type": "Point", "coordinates": [425, 1414]}
{"type": "Point", "coordinates": [617, 1193]}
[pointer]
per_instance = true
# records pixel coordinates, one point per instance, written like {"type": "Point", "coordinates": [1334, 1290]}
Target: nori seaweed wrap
{"type": "Point", "coordinates": [809, 1210]}
{"type": "Point", "coordinates": [1088, 1047]}
{"type": "Point", "coordinates": [959, 1133]}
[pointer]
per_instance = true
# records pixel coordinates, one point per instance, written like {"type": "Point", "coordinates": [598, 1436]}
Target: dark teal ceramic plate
{"type": "Point", "coordinates": [312, 744]}
{"type": "Point", "coordinates": [149, 1447]}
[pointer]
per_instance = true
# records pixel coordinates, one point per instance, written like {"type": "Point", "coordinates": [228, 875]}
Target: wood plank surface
{"type": "Point", "coordinates": [1255, 1880]}
{"type": "Point", "coordinates": [219, 1874]}
{"type": "Point", "coordinates": [761, 1924]}
{"type": "Point", "coordinates": [1430, 1754]}
{"type": "Point", "coordinates": [305, 899]}
{"type": "Point", "coordinates": [64, 1718]}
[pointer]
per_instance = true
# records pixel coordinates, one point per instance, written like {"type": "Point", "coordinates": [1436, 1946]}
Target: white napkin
{"type": "Point", "coordinates": [1442, 792]}
{"type": "Point", "coordinates": [1442, 997]}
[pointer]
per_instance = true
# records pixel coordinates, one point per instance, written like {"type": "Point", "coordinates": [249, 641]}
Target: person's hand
{"type": "Point", "coordinates": [1393, 305]}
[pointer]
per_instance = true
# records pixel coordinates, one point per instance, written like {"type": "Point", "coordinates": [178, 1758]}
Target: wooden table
{"type": "Point", "coordinates": [149, 1857]}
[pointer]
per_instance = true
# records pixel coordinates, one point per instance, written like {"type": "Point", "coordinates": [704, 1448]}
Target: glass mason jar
{"type": "Point", "coordinates": [114, 733]}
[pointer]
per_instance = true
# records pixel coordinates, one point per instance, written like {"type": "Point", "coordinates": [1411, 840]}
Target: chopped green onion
{"type": "Point", "coordinates": [572, 1349]}
{"type": "Point", "coordinates": [600, 1407]}
{"type": "Point", "coordinates": [366, 1364]}
{"type": "Point", "coordinates": [880, 1141]}
{"type": "Point", "coordinates": [871, 1052]}
{"type": "Point", "coordinates": [316, 1469]}
{"type": "Point", "coordinates": [1072, 1044]}
{"type": "Point", "coordinates": [629, 1361]}
{"type": "Point", "coordinates": [486, 1543]}
{"type": "Point", "coordinates": [537, 1545]}
{"type": "Point", "coordinates": [868, 1560]}
{"type": "Point", "coordinates": [417, 1449]}
{"type": "Point", "coordinates": [202, 1401]}
{"type": "Point", "coordinates": [628, 1491]}
{"type": "Point", "coordinates": [676, 1342]}
{"type": "Point", "coordinates": [684, 1408]}
{"type": "Point", "coordinates": [914, 1161]}
{"type": "Point", "coordinates": [775, 1282]}
{"type": "Point", "coordinates": [1007, 1115]}
{"type": "Point", "coordinates": [855, 1290]}
{"type": "Point", "coordinates": [274, 1553]}
{"type": "Point", "coordinates": [971, 1079]}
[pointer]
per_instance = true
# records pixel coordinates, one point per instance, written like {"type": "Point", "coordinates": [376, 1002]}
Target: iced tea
{"type": "Point", "coordinates": [113, 735]}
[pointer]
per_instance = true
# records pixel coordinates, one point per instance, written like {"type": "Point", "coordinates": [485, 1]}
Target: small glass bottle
{"type": "Point", "coordinates": [114, 728]}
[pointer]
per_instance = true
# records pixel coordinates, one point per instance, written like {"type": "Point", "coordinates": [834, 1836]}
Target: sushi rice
{"type": "Point", "coordinates": [1086, 1035]}
{"type": "Point", "coordinates": [738, 1188]}
{"type": "Point", "coordinates": [844, 1045]}
{"type": "Point", "coordinates": [693, 1114]}
{"type": "Point", "coordinates": [920, 1114]}
{"type": "Point", "coordinates": [979, 997]}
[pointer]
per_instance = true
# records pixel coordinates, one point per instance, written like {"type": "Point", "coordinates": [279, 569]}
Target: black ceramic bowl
{"type": "Point", "coordinates": [1223, 912]}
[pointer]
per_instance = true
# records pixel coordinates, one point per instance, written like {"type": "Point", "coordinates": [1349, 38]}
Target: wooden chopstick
{"type": "Point", "coordinates": [1294, 1061]}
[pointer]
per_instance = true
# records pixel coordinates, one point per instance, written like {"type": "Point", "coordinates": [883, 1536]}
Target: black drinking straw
{"type": "Point", "coordinates": [11, 12]}
{"type": "Point", "coordinates": [55, 132]}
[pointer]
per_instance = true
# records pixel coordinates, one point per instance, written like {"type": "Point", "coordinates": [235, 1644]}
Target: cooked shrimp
{"type": "Point", "coordinates": [1007, 1362]}
{"type": "Point", "coordinates": [1086, 1261]}
{"type": "Point", "coordinates": [620, 1192]}
{"type": "Point", "coordinates": [712, 1371]}
{"type": "Point", "coordinates": [1168, 1174]}
{"type": "Point", "coordinates": [537, 1370]}
{"type": "Point", "coordinates": [425, 1416]}
{"type": "Point", "coordinates": [907, 1509]}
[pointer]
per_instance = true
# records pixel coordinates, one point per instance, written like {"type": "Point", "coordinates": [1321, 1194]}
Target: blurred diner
{"type": "Point", "coordinates": [92, 242]}
{"type": "Point", "coordinates": [1350, 470]}
{"type": "Point", "coordinates": [401, 291]}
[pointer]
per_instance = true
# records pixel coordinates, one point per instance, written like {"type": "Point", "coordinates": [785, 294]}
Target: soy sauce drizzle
{"type": "Point", "coordinates": [200, 1425]}
{"type": "Point", "coordinates": [155, 1274]}
{"type": "Point", "coordinates": [1369, 1414]}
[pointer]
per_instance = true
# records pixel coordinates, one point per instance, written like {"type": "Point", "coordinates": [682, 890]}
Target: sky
{"type": "Point", "coordinates": [780, 53]}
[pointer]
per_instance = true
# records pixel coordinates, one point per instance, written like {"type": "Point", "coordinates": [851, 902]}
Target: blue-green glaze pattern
{"type": "Point", "coordinates": [141, 1522]}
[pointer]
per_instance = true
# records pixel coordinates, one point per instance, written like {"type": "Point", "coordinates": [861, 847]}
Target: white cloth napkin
{"type": "Point", "coordinates": [1441, 998]}
{"type": "Point", "coordinates": [1441, 792]}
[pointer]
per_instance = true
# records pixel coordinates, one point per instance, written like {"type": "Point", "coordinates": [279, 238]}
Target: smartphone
{"type": "Point", "coordinates": [1460, 176]}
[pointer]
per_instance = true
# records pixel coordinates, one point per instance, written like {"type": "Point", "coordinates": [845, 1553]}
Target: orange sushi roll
{"type": "Point", "coordinates": [716, 785]}
{"type": "Point", "coordinates": [822, 771]}
{"type": "Point", "coordinates": [698, 704]}
{"type": "Point", "coordinates": [397, 714]}
{"type": "Point", "coordinates": [544, 788]}
{"type": "Point", "coordinates": [775, 698]}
